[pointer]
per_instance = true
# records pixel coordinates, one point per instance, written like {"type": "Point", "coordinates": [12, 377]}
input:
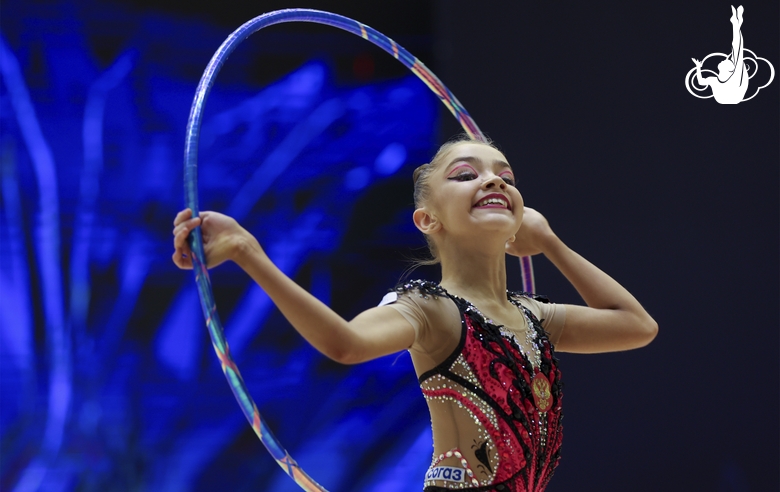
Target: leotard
{"type": "Point", "coordinates": [491, 433]}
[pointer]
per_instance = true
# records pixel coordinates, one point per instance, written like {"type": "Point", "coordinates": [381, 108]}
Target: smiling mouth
{"type": "Point", "coordinates": [493, 201]}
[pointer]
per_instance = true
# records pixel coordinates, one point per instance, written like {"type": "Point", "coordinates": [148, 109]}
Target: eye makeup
{"type": "Point", "coordinates": [460, 168]}
{"type": "Point", "coordinates": [508, 176]}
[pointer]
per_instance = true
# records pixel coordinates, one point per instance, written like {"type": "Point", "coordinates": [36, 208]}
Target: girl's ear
{"type": "Point", "coordinates": [426, 222]}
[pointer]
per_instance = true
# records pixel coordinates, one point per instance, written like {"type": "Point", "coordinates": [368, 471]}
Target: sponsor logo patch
{"type": "Point", "coordinates": [446, 473]}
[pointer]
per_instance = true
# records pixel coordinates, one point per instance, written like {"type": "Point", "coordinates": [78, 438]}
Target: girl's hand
{"type": "Point", "coordinates": [222, 237]}
{"type": "Point", "coordinates": [532, 237]}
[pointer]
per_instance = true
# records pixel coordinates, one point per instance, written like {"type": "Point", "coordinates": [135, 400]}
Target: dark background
{"type": "Point", "coordinates": [675, 197]}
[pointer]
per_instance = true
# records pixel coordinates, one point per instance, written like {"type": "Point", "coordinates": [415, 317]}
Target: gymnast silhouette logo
{"type": "Point", "coordinates": [730, 84]}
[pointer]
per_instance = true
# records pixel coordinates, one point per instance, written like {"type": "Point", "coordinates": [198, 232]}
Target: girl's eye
{"type": "Point", "coordinates": [509, 180]}
{"type": "Point", "coordinates": [464, 176]}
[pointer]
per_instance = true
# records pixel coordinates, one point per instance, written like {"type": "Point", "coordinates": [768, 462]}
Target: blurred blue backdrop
{"type": "Point", "coordinates": [107, 377]}
{"type": "Point", "coordinates": [310, 136]}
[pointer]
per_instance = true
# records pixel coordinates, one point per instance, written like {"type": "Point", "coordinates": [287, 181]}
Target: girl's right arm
{"type": "Point", "coordinates": [376, 332]}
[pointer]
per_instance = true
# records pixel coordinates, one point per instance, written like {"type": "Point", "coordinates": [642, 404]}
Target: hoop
{"type": "Point", "coordinates": [195, 239]}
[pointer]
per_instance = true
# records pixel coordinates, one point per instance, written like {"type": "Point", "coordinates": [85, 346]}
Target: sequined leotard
{"type": "Point", "coordinates": [509, 439]}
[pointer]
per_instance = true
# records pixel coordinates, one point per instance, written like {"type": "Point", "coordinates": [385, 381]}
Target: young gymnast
{"type": "Point", "coordinates": [485, 357]}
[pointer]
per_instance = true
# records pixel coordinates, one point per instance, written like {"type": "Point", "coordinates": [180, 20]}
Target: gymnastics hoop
{"type": "Point", "coordinates": [195, 240]}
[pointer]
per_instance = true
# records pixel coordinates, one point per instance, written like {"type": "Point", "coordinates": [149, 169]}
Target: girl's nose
{"type": "Point", "coordinates": [494, 182]}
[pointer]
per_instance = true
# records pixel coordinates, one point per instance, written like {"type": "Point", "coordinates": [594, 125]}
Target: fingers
{"type": "Point", "coordinates": [180, 234]}
{"type": "Point", "coordinates": [182, 216]}
{"type": "Point", "coordinates": [181, 261]}
{"type": "Point", "coordinates": [184, 223]}
{"type": "Point", "coordinates": [182, 255]}
{"type": "Point", "coordinates": [188, 225]}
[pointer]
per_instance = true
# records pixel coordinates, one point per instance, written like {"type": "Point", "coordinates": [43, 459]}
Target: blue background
{"type": "Point", "coordinates": [107, 380]}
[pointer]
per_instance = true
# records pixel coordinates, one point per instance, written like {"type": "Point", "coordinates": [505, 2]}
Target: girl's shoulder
{"type": "Point", "coordinates": [421, 288]}
{"type": "Point", "coordinates": [519, 294]}
{"type": "Point", "coordinates": [410, 292]}
{"type": "Point", "coordinates": [551, 316]}
{"type": "Point", "coordinates": [434, 317]}
{"type": "Point", "coordinates": [420, 296]}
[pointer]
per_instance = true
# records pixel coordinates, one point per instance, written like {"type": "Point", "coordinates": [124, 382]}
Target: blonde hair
{"type": "Point", "coordinates": [422, 189]}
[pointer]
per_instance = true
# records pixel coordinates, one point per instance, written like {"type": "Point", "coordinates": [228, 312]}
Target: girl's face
{"type": "Point", "coordinates": [473, 191]}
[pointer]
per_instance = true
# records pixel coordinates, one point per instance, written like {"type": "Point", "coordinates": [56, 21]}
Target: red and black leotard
{"type": "Point", "coordinates": [485, 388]}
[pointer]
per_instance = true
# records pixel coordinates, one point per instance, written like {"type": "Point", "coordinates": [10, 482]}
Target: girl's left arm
{"type": "Point", "coordinates": [613, 319]}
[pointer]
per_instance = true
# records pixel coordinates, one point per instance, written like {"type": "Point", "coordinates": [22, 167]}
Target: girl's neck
{"type": "Point", "coordinates": [476, 276]}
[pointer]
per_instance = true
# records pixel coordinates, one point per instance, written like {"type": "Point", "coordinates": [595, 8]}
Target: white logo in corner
{"type": "Point", "coordinates": [730, 84]}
